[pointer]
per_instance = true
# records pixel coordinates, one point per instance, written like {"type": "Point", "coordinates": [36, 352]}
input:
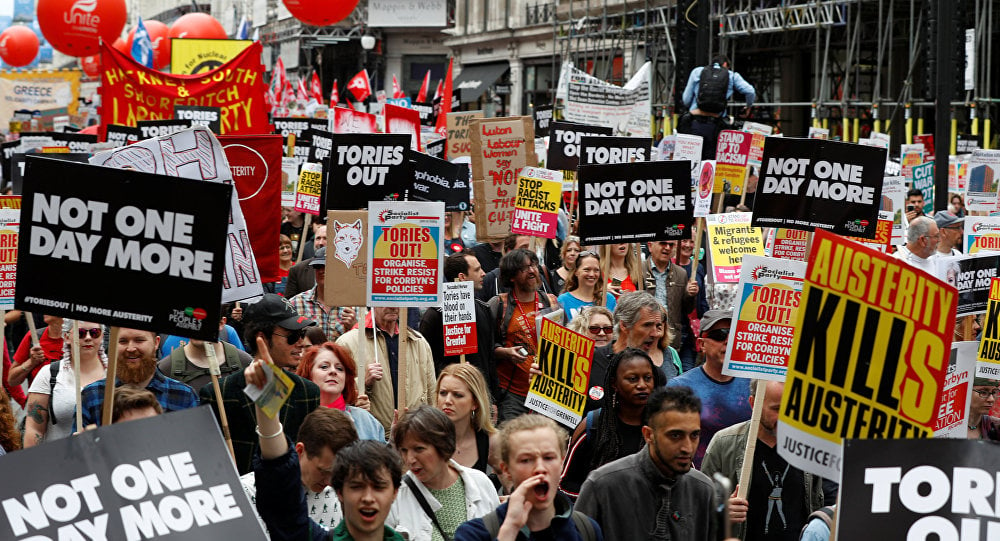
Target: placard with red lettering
{"type": "Point", "coordinates": [501, 147]}
{"type": "Point", "coordinates": [731, 156]}
{"type": "Point", "coordinates": [309, 188]}
{"type": "Point", "coordinates": [459, 318]}
{"type": "Point", "coordinates": [764, 317]}
{"type": "Point", "coordinates": [952, 415]}
{"type": "Point", "coordinates": [404, 253]}
{"type": "Point", "coordinates": [10, 218]}
{"type": "Point", "coordinates": [536, 209]}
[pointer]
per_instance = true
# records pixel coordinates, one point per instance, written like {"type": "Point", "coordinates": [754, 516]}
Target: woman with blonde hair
{"type": "Point", "coordinates": [462, 396]}
{"type": "Point", "coordinates": [596, 322]}
{"type": "Point", "coordinates": [622, 266]}
{"type": "Point", "coordinates": [567, 263]}
{"type": "Point", "coordinates": [586, 287]}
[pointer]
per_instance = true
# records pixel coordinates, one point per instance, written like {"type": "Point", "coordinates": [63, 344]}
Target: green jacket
{"type": "Point", "coordinates": [340, 533]}
{"type": "Point", "coordinates": [725, 455]}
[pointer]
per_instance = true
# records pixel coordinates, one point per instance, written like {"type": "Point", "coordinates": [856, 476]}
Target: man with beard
{"type": "Point", "coordinates": [137, 367]}
{"type": "Point", "coordinates": [654, 494]}
{"type": "Point", "coordinates": [275, 321]}
{"type": "Point", "coordinates": [781, 496]}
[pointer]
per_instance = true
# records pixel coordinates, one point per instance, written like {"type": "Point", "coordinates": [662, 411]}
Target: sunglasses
{"type": "Point", "coordinates": [293, 337]}
{"type": "Point", "coordinates": [597, 329]}
{"type": "Point", "coordinates": [94, 333]}
{"type": "Point", "coordinates": [719, 335]}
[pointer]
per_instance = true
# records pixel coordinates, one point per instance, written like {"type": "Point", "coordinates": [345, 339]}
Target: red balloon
{"type": "Point", "coordinates": [74, 27]}
{"type": "Point", "coordinates": [91, 65]}
{"type": "Point", "coordinates": [158, 34]}
{"type": "Point", "coordinates": [198, 26]}
{"type": "Point", "coordinates": [320, 12]}
{"type": "Point", "coordinates": [119, 45]}
{"type": "Point", "coordinates": [18, 45]}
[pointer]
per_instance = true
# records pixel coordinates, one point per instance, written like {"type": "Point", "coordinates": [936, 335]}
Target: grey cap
{"type": "Point", "coordinates": [712, 317]}
{"type": "Point", "coordinates": [319, 260]}
{"type": "Point", "coordinates": [945, 218]}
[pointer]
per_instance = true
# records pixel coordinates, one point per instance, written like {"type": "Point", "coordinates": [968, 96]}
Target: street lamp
{"type": "Point", "coordinates": [367, 42]}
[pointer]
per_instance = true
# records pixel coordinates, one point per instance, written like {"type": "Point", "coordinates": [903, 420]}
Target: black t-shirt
{"type": "Point", "coordinates": [776, 498]}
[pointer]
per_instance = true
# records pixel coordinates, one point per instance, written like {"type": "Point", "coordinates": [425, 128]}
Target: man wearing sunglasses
{"type": "Point", "coordinates": [982, 426]}
{"type": "Point", "coordinates": [725, 400]}
{"type": "Point", "coordinates": [282, 328]}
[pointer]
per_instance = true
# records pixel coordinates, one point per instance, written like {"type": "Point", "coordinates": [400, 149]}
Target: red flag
{"type": "Point", "coordinates": [442, 126]}
{"type": "Point", "coordinates": [288, 94]}
{"type": "Point", "coordinates": [278, 82]}
{"type": "Point", "coordinates": [334, 95]}
{"type": "Point", "coordinates": [437, 93]}
{"type": "Point", "coordinates": [424, 87]}
{"type": "Point", "coordinates": [316, 88]}
{"type": "Point", "coordinates": [360, 86]}
{"type": "Point", "coordinates": [396, 92]}
{"type": "Point", "coordinates": [300, 93]}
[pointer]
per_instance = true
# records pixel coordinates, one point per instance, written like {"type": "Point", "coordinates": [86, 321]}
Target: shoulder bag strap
{"type": "Point", "coordinates": [53, 373]}
{"type": "Point", "coordinates": [425, 506]}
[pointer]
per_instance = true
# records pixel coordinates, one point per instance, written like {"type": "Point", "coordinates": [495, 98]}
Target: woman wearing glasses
{"type": "Point", "coordinates": [52, 395]}
{"type": "Point", "coordinates": [595, 322]}
{"type": "Point", "coordinates": [585, 287]}
{"type": "Point", "coordinates": [286, 260]}
{"type": "Point", "coordinates": [981, 425]}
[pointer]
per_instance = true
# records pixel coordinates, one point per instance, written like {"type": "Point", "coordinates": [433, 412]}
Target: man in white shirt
{"type": "Point", "coordinates": [922, 238]}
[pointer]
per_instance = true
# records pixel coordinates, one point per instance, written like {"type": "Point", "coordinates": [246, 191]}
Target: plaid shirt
{"type": "Point", "coordinates": [330, 319]}
{"type": "Point", "coordinates": [172, 395]}
{"type": "Point", "coordinates": [242, 416]}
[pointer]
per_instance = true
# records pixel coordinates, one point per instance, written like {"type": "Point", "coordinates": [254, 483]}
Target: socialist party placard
{"type": "Point", "coordinates": [635, 202]}
{"type": "Point", "coordinates": [144, 479]}
{"type": "Point", "coordinates": [564, 143]}
{"type": "Point", "coordinates": [404, 253]}
{"type": "Point", "coordinates": [905, 490]}
{"type": "Point", "coordinates": [813, 184]}
{"type": "Point", "coordinates": [146, 236]}
{"type": "Point", "coordinates": [368, 167]}
{"type": "Point", "coordinates": [440, 180]}
{"type": "Point", "coordinates": [602, 150]}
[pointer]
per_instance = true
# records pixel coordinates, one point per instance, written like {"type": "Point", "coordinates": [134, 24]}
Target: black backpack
{"type": "Point", "coordinates": [712, 89]}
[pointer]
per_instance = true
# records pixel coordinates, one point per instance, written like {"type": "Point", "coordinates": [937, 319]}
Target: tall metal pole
{"type": "Point", "coordinates": [945, 90]}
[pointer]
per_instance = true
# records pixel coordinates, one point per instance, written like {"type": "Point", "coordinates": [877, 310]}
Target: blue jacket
{"type": "Point", "coordinates": [561, 528]}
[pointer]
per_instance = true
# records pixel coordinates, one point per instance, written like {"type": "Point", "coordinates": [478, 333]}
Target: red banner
{"type": "Point", "coordinates": [256, 165]}
{"type": "Point", "coordinates": [131, 92]}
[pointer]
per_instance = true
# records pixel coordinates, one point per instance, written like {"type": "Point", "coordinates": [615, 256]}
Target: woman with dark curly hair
{"type": "Point", "coordinates": [614, 430]}
{"type": "Point", "coordinates": [10, 438]}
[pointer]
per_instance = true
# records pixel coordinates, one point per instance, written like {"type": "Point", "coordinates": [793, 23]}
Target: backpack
{"type": "Point", "coordinates": [582, 523]}
{"type": "Point", "coordinates": [712, 89]}
{"type": "Point", "coordinates": [178, 363]}
{"type": "Point", "coordinates": [824, 513]}
{"type": "Point", "coordinates": [53, 372]}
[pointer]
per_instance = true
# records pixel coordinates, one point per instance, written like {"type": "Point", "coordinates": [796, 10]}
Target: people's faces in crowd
{"type": "Point", "coordinates": [634, 381]}
{"type": "Point", "coordinates": [772, 405]}
{"type": "Point", "coordinates": [572, 252]}
{"type": "Point", "coordinates": [660, 252]}
{"type": "Point", "coordinates": [672, 437]}
{"type": "Point", "coordinates": [319, 237]}
{"type": "Point", "coordinates": [285, 252]}
{"type": "Point", "coordinates": [646, 331]}
{"type": "Point", "coordinates": [526, 279]}
{"type": "Point", "coordinates": [621, 249]}
{"type": "Point", "coordinates": [536, 457]}
{"type": "Point", "coordinates": [90, 334]}
{"type": "Point", "coordinates": [956, 201]}
{"type": "Point", "coordinates": [687, 249]}
{"type": "Point", "coordinates": [328, 373]}
{"type": "Point", "coordinates": [475, 274]}
{"type": "Point", "coordinates": [317, 469]}
{"type": "Point", "coordinates": [951, 235]}
{"type": "Point", "coordinates": [455, 399]}
{"type": "Point", "coordinates": [386, 317]}
{"type": "Point", "coordinates": [588, 271]}
{"type": "Point", "coordinates": [422, 459]}
{"type": "Point", "coordinates": [600, 329]}
{"type": "Point", "coordinates": [136, 355]}
{"type": "Point", "coordinates": [523, 242]}
{"type": "Point", "coordinates": [917, 201]}
{"type": "Point", "coordinates": [138, 413]}
{"type": "Point", "coordinates": [286, 347]}
{"type": "Point", "coordinates": [983, 399]}
{"type": "Point", "coordinates": [713, 341]}
{"type": "Point", "coordinates": [366, 502]}
{"type": "Point", "coordinates": [927, 244]}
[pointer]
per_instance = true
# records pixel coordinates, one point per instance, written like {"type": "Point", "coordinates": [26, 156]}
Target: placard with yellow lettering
{"type": "Point", "coordinates": [988, 356]}
{"type": "Point", "coordinates": [870, 354]}
{"type": "Point", "coordinates": [564, 358]}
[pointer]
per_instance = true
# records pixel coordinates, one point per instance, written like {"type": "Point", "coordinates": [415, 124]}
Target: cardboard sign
{"type": "Point", "coordinates": [894, 201]}
{"type": "Point", "coordinates": [501, 147]}
{"type": "Point", "coordinates": [564, 143]}
{"type": "Point", "coordinates": [459, 317]}
{"type": "Point", "coordinates": [119, 231]}
{"type": "Point", "coordinates": [368, 167]}
{"type": "Point", "coordinates": [10, 218]}
{"type": "Point", "coordinates": [918, 489]}
{"type": "Point", "coordinates": [635, 202]}
{"type": "Point", "coordinates": [197, 154]}
{"type": "Point", "coordinates": [790, 244]}
{"type": "Point", "coordinates": [703, 195]}
{"type": "Point", "coordinates": [972, 276]}
{"type": "Point", "coordinates": [308, 188]}
{"type": "Point", "coordinates": [200, 115]}
{"type": "Point", "coordinates": [564, 357]}
{"type": "Point", "coordinates": [439, 180]}
{"type": "Point", "coordinates": [459, 137]}
{"type": "Point", "coordinates": [923, 180]}
{"type": "Point", "coordinates": [688, 147]}
{"type": "Point", "coordinates": [731, 237]}
{"type": "Point", "coordinates": [603, 150]}
{"type": "Point", "coordinates": [536, 208]}
{"type": "Point", "coordinates": [405, 253]}
{"type": "Point", "coordinates": [159, 128]}
{"type": "Point", "coordinates": [988, 354]}
{"type": "Point", "coordinates": [350, 121]}
{"type": "Point", "coordinates": [122, 135]}
{"type": "Point", "coordinates": [402, 120]}
{"type": "Point", "coordinates": [810, 184]}
{"type": "Point", "coordinates": [346, 257]}
{"type": "Point", "coordinates": [143, 479]}
{"type": "Point", "coordinates": [543, 118]}
{"type": "Point", "coordinates": [760, 340]}
{"type": "Point", "coordinates": [982, 233]}
{"type": "Point", "coordinates": [732, 154]}
{"type": "Point", "coordinates": [297, 126]}
{"type": "Point", "coordinates": [983, 180]}
{"type": "Point", "coordinates": [870, 354]}
{"type": "Point", "coordinates": [953, 414]}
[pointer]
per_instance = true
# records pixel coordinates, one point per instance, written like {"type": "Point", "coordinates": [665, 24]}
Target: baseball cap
{"type": "Point", "coordinates": [712, 317]}
{"type": "Point", "coordinates": [945, 218]}
{"type": "Point", "coordinates": [319, 260]}
{"type": "Point", "coordinates": [275, 307]}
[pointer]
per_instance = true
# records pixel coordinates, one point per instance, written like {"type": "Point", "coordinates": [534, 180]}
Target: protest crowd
{"type": "Point", "coordinates": [343, 323]}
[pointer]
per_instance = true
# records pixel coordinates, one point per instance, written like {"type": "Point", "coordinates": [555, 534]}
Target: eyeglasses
{"type": "Point", "coordinates": [597, 329]}
{"type": "Point", "coordinates": [719, 335]}
{"type": "Point", "coordinates": [983, 393]}
{"type": "Point", "coordinates": [94, 333]}
{"type": "Point", "coordinates": [293, 337]}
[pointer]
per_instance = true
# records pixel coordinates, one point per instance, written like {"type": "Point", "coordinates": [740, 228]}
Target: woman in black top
{"type": "Point", "coordinates": [567, 254]}
{"type": "Point", "coordinates": [462, 395]}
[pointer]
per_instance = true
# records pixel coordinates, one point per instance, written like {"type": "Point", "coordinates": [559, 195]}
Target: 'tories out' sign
{"type": "Point", "coordinates": [405, 253]}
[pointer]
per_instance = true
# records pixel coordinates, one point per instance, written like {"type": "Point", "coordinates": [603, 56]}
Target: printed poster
{"type": "Point", "coordinates": [346, 257]}
{"type": "Point", "coordinates": [536, 208]}
{"type": "Point", "coordinates": [564, 357]}
{"type": "Point", "coordinates": [703, 195]}
{"type": "Point", "coordinates": [972, 276]}
{"type": "Point", "coordinates": [982, 181]}
{"type": "Point", "coordinates": [10, 217]}
{"type": "Point", "coordinates": [982, 233]}
{"type": "Point", "coordinates": [309, 188]}
{"type": "Point", "coordinates": [923, 180]}
{"type": "Point", "coordinates": [952, 418]}
{"type": "Point", "coordinates": [732, 153]}
{"type": "Point", "coordinates": [405, 253]}
{"type": "Point", "coordinates": [459, 318]}
{"type": "Point", "coordinates": [564, 143]}
{"type": "Point", "coordinates": [988, 351]}
{"type": "Point", "coordinates": [589, 100]}
{"type": "Point", "coordinates": [731, 238]}
{"type": "Point", "coordinates": [790, 244]}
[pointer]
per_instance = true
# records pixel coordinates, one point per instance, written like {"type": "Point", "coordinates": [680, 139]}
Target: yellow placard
{"type": "Point", "coordinates": [988, 355]}
{"type": "Point", "coordinates": [564, 358]}
{"type": "Point", "coordinates": [192, 56]}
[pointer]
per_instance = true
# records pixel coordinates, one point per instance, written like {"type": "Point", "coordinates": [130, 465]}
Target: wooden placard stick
{"type": "Point", "coordinates": [362, 349]}
{"type": "Point", "coordinates": [213, 369]}
{"type": "Point", "coordinates": [573, 217]}
{"type": "Point", "coordinates": [78, 386]}
{"type": "Point", "coordinates": [111, 377]}
{"type": "Point", "coordinates": [747, 471]}
{"type": "Point", "coordinates": [401, 361]}
{"type": "Point", "coordinates": [305, 235]}
{"type": "Point", "coordinates": [31, 328]}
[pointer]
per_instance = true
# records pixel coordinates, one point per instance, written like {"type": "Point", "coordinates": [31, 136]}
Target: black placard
{"type": "Point", "coordinates": [122, 135]}
{"type": "Point", "coordinates": [635, 202]}
{"type": "Point", "coordinates": [564, 144]}
{"type": "Point", "coordinates": [320, 150]}
{"type": "Point", "coordinates": [368, 167]}
{"type": "Point", "coordinates": [17, 166]}
{"type": "Point", "coordinates": [543, 117]}
{"type": "Point", "coordinates": [200, 115]}
{"type": "Point", "coordinates": [76, 142]}
{"type": "Point", "coordinates": [810, 184]}
{"type": "Point", "coordinates": [605, 150]}
{"type": "Point", "coordinates": [426, 111]}
{"type": "Point", "coordinates": [440, 180]}
{"type": "Point", "coordinates": [149, 129]}
{"type": "Point", "coordinates": [287, 125]}
{"type": "Point", "coordinates": [436, 148]}
{"type": "Point", "coordinates": [8, 148]}
{"type": "Point", "coordinates": [83, 221]}
{"type": "Point", "coordinates": [147, 475]}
